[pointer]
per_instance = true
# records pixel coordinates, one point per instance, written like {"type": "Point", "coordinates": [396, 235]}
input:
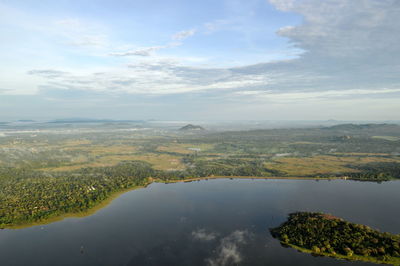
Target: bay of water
{"type": "Point", "coordinates": [209, 222]}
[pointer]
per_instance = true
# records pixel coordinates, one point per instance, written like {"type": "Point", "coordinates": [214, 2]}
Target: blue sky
{"type": "Point", "coordinates": [200, 60]}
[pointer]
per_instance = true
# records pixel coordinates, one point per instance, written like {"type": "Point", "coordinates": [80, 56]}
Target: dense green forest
{"type": "Point", "coordinates": [70, 170]}
{"type": "Point", "coordinates": [324, 234]}
{"type": "Point", "coordinates": [28, 196]}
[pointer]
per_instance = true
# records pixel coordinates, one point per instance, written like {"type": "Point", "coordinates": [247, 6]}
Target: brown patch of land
{"type": "Point", "coordinates": [323, 164]}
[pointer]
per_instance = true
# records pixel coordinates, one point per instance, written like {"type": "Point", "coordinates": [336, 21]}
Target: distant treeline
{"type": "Point", "coordinates": [377, 171]}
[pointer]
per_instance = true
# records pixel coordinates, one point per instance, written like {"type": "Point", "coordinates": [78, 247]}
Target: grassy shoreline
{"type": "Point", "coordinates": [251, 177]}
{"type": "Point", "coordinates": [102, 204]}
{"type": "Point", "coordinates": [116, 194]}
{"type": "Point", "coordinates": [326, 235]}
{"type": "Point", "coordinates": [391, 261]}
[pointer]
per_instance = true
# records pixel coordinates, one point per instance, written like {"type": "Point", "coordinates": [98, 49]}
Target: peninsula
{"type": "Point", "coordinates": [327, 235]}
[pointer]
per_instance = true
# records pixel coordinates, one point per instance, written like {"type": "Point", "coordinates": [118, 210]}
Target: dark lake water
{"type": "Point", "coordinates": [210, 222]}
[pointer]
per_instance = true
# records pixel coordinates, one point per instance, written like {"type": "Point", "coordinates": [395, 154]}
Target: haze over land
{"type": "Point", "coordinates": [258, 59]}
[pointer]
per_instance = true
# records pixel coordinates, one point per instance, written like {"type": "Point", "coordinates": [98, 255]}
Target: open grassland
{"type": "Point", "coordinates": [101, 156]}
{"type": "Point", "coordinates": [390, 138]}
{"type": "Point", "coordinates": [184, 148]}
{"type": "Point", "coordinates": [48, 175]}
{"type": "Point", "coordinates": [158, 161]}
{"type": "Point", "coordinates": [176, 154]}
{"type": "Point", "coordinates": [315, 165]}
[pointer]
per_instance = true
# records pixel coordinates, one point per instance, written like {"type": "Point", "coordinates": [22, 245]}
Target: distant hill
{"type": "Point", "coordinates": [348, 131]}
{"type": "Point", "coordinates": [26, 120]}
{"type": "Point", "coordinates": [89, 120]}
{"type": "Point", "coordinates": [360, 126]}
{"type": "Point", "coordinates": [190, 127]}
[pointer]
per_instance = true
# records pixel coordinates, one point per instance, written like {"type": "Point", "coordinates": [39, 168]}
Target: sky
{"type": "Point", "coordinates": [200, 60]}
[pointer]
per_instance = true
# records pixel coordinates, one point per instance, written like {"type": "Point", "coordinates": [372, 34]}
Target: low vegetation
{"type": "Point", "coordinates": [47, 175]}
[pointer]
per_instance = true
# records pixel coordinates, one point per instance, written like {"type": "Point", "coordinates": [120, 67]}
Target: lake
{"type": "Point", "coordinates": [208, 222]}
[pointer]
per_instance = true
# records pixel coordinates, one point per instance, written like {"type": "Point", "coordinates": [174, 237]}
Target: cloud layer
{"type": "Point", "coordinates": [347, 45]}
{"type": "Point", "coordinates": [346, 50]}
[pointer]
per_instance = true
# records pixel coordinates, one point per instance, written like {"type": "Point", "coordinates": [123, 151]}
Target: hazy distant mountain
{"type": "Point", "coordinates": [349, 130]}
{"type": "Point", "coordinates": [360, 126]}
{"type": "Point", "coordinates": [190, 127]}
{"type": "Point", "coordinates": [90, 120]}
{"type": "Point", "coordinates": [26, 120]}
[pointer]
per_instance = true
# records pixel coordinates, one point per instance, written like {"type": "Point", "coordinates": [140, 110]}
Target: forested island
{"type": "Point", "coordinates": [327, 235]}
{"type": "Point", "coordinates": [69, 169]}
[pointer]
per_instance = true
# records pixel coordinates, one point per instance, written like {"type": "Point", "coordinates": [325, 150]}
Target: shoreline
{"type": "Point", "coordinates": [316, 233]}
{"type": "Point", "coordinates": [102, 204]}
{"type": "Point", "coordinates": [392, 261]}
{"type": "Point", "coordinates": [116, 194]}
{"type": "Point", "coordinates": [253, 177]}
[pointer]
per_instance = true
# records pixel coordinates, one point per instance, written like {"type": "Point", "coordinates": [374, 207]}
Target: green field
{"type": "Point", "coordinates": [47, 175]}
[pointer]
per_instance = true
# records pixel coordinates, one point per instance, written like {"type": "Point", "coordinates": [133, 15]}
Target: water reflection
{"type": "Point", "coordinates": [214, 222]}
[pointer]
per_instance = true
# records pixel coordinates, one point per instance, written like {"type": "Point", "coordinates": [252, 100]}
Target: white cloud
{"type": "Point", "coordinates": [290, 97]}
{"type": "Point", "coordinates": [179, 36]}
{"type": "Point", "coordinates": [149, 51]}
{"type": "Point", "coordinates": [48, 73]}
{"type": "Point", "coordinates": [146, 51]}
{"type": "Point", "coordinates": [216, 25]}
{"type": "Point", "coordinates": [343, 28]}
{"type": "Point", "coordinates": [349, 51]}
{"type": "Point", "coordinates": [284, 5]}
{"type": "Point", "coordinates": [152, 77]}
{"type": "Point", "coordinates": [346, 45]}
